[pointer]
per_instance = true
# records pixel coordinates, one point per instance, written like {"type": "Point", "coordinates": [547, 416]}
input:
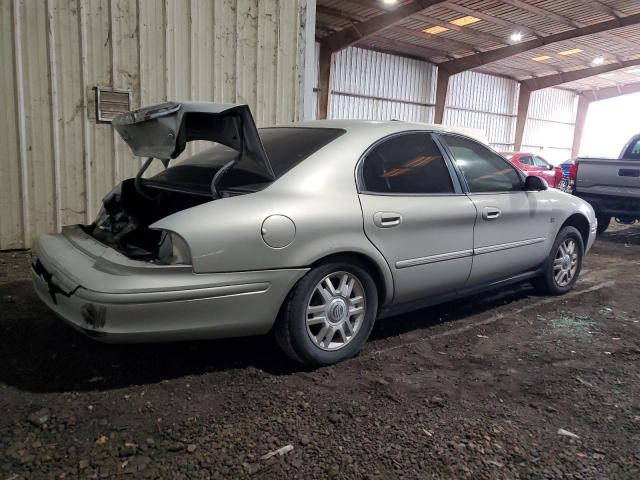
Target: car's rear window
{"type": "Point", "coordinates": [286, 147]}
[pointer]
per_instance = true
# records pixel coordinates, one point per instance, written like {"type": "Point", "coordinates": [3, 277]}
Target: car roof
{"type": "Point", "coordinates": [389, 126]}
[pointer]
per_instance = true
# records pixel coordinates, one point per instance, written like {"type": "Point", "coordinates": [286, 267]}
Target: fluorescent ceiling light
{"type": "Point", "coordinates": [462, 21]}
{"type": "Point", "coordinates": [516, 36]}
{"type": "Point", "coordinates": [570, 52]}
{"type": "Point", "coordinates": [541, 58]}
{"type": "Point", "coordinates": [435, 30]}
{"type": "Point", "coordinates": [390, 2]}
{"type": "Point", "coordinates": [599, 60]}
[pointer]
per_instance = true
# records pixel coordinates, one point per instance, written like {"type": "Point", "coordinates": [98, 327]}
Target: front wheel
{"type": "Point", "coordinates": [328, 315]}
{"type": "Point", "coordinates": [562, 268]}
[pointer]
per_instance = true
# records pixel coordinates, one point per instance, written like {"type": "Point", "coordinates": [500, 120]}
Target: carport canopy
{"type": "Point", "coordinates": [591, 47]}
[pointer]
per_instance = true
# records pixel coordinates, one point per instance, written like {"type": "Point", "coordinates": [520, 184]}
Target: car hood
{"type": "Point", "coordinates": [163, 131]}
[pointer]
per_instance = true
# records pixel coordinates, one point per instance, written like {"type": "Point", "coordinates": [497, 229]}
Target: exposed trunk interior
{"type": "Point", "coordinates": [126, 215]}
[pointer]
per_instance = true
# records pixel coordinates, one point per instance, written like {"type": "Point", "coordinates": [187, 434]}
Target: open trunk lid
{"type": "Point", "coordinates": [162, 131]}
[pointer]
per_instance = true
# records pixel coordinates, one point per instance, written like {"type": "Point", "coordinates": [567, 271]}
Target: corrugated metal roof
{"type": "Point", "coordinates": [501, 18]}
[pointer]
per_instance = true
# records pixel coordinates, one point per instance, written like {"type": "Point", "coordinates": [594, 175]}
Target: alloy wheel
{"type": "Point", "coordinates": [565, 263]}
{"type": "Point", "coordinates": [335, 311]}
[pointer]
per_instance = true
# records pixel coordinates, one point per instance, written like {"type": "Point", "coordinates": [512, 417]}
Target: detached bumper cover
{"type": "Point", "coordinates": [119, 300]}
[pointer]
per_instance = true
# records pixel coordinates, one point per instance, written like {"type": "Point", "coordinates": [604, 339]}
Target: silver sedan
{"type": "Point", "coordinates": [309, 230]}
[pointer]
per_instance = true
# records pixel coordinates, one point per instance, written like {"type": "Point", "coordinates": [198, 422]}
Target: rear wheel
{"type": "Point", "coordinates": [328, 315]}
{"type": "Point", "coordinates": [603, 223]}
{"type": "Point", "coordinates": [563, 266]}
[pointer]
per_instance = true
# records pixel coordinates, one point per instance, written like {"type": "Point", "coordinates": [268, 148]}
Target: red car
{"type": "Point", "coordinates": [536, 166]}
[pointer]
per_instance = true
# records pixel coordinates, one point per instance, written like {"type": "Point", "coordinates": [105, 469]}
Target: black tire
{"type": "Point", "coordinates": [546, 283]}
{"type": "Point", "coordinates": [290, 330]}
{"type": "Point", "coordinates": [603, 223]}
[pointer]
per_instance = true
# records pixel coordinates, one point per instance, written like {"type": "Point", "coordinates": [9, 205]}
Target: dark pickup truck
{"type": "Point", "coordinates": [611, 186]}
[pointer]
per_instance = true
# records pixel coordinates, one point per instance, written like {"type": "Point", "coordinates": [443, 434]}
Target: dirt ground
{"type": "Point", "coordinates": [473, 389]}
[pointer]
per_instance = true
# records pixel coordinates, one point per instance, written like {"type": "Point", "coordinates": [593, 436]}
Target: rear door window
{"type": "Point", "coordinates": [484, 170]}
{"type": "Point", "coordinates": [406, 164]}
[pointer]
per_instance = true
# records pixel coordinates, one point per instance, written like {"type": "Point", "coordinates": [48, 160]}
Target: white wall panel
{"type": "Point", "coordinates": [550, 123]}
{"type": "Point", "coordinates": [58, 162]}
{"type": "Point", "coordinates": [486, 102]}
{"type": "Point", "coordinates": [372, 85]}
{"type": "Point", "coordinates": [378, 86]}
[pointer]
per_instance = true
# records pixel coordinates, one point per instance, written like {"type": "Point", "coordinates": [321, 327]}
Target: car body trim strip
{"type": "Point", "coordinates": [442, 257]}
{"type": "Point", "coordinates": [413, 262]}
{"type": "Point", "coordinates": [506, 246]}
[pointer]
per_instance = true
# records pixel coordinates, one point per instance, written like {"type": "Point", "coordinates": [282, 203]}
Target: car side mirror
{"type": "Point", "coordinates": [551, 167]}
{"type": "Point", "coordinates": [535, 184]}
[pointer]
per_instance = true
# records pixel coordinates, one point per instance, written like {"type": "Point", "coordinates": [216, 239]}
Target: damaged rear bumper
{"type": "Point", "coordinates": [119, 300]}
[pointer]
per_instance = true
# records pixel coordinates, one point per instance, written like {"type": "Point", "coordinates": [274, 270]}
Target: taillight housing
{"type": "Point", "coordinates": [573, 173]}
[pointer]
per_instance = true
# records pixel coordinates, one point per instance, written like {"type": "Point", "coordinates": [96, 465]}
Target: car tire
{"type": "Point", "coordinates": [603, 223]}
{"type": "Point", "coordinates": [562, 267]}
{"type": "Point", "coordinates": [313, 327]}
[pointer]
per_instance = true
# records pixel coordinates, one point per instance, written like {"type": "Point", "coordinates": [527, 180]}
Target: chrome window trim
{"type": "Point", "coordinates": [455, 181]}
{"type": "Point", "coordinates": [441, 137]}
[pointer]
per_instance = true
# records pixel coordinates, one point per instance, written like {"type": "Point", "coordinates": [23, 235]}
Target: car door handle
{"type": "Point", "coordinates": [491, 213]}
{"type": "Point", "coordinates": [387, 219]}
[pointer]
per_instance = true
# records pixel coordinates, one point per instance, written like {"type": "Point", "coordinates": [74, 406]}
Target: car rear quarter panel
{"type": "Point", "coordinates": [319, 196]}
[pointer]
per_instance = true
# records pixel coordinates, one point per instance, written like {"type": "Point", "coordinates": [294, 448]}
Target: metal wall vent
{"type": "Point", "coordinates": [111, 102]}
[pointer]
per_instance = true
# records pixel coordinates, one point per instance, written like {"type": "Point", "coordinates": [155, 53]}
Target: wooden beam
{"type": "Point", "coordinates": [547, 81]}
{"type": "Point", "coordinates": [442, 86]}
{"type": "Point", "coordinates": [410, 48]}
{"type": "Point", "coordinates": [563, 20]}
{"type": "Point", "coordinates": [355, 33]}
{"type": "Point", "coordinates": [482, 58]}
{"type": "Point", "coordinates": [472, 32]}
{"type": "Point", "coordinates": [324, 82]}
{"type": "Point", "coordinates": [326, 26]}
{"type": "Point", "coordinates": [578, 130]}
{"type": "Point", "coordinates": [491, 19]}
{"type": "Point", "coordinates": [541, 12]}
{"type": "Point", "coordinates": [601, 7]}
{"type": "Point", "coordinates": [524, 98]}
{"type": "Point", "coordinates": [337, 13]}
{"type": "Point", "coordinates": [611, 92]}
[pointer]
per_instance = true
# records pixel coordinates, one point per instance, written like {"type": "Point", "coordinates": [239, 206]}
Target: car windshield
{"type": "Point", "coordinates": [633, 150]}
{"type": "Point", "coordinates": [286, 147]}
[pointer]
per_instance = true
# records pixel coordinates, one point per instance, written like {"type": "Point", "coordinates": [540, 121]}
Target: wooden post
{"type": "Point", "coordinates": [581, 116]}
{"type": "Point", "coordinates": [521, 120]}
{"type": "Point", "coordinates": [442, 85]}
{"type": "Point", "coordinates": [325, 81]}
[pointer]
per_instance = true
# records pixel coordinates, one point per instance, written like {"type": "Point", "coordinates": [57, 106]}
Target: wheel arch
{"type": "Point", "coordinates": [384, 283]}
{"type": "Point", "coordinates": [581, 223]}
